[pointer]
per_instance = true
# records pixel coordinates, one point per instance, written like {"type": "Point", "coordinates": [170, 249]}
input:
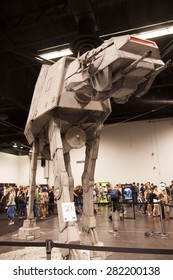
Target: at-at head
{"type": "Point", "coordinates": [119, 68]}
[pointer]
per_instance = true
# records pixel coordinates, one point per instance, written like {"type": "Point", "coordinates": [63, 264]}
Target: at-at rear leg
{"type": "Point", "coordinates": [33, 169]}
{"type": "Point", "coordinates": [30, 230]}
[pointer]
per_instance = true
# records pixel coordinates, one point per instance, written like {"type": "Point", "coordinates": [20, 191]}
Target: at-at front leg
{"type": "Point", "coordinates": [68, 231]}
{"type": "Point", "coordinates": [69, 172]}
{"type": "Point", "coordinates": [88, 218]}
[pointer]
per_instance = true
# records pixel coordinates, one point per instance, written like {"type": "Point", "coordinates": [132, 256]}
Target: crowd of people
{"type": "Point", "coordinates": [147, 198]}
{"type": "Point", "coordinates": [14, 201]}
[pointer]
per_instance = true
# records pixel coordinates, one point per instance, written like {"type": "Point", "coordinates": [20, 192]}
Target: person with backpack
{"type": "Point", "coordinates": [115, 196]}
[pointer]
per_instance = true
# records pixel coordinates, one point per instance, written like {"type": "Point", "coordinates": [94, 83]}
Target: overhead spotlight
{"type": "Point", "coordinates": [155, 33]}
{"type": "Point", "coordinates": [15, 145]}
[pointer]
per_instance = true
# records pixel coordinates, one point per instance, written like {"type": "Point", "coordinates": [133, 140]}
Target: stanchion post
{"type": "Point", "coordinates": [161, 215]}
{"type": "Point", "coordinates": [48, 249]}
{"type": "Point", "coordinates": [163, 233]}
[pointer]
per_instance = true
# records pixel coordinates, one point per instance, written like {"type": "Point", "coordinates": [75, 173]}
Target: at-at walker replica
{"type": "Point", "coordinates": [70, 103]}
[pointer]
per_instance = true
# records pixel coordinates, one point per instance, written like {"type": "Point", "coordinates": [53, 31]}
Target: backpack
{"type": "Point", "coordinates": [21, 198]}
{"type": "Point", "coordinates": [114, 194]}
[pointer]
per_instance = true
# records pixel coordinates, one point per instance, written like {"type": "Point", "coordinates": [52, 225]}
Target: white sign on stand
{"type": "Point", "coordinates": [69, 212]}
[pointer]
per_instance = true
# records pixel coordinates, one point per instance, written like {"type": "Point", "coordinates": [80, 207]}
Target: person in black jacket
{"type": "Point", "coordinates": [51, 201]}
{"type": "Point", "coordinates": [115, 196]}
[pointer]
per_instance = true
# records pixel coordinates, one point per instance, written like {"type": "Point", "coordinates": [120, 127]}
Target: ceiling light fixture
{"type": "Point", "coordinates": [155, 33]}
{"type": "Point", "coordinates": [39, 58]}
{"type": "Point", "coordinates": [15, 145]}
{"type": "Point", "coordinates": [53, 53]}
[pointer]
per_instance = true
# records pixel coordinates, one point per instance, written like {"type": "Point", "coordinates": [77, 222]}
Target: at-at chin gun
{"type": "Point", "coordinates": [119, 68]}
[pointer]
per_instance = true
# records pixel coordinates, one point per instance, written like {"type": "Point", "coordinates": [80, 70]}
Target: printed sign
{"type": "Point", "coordinates": [69, 212]}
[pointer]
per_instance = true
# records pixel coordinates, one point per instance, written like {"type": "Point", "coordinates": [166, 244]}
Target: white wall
{"type": "Point", "coordinates": [16, 169]}
{"type": "Point", "coordinates": [137, 151]}
{"type": "Point", "coordinates": [24, 171]}
{"type": "Point", "coordinates": [24, 165]}
{"type": "Point", "coordinates": [8, 168]}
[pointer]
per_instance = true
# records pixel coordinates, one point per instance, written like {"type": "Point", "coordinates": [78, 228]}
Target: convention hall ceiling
{"type": "Point", "coordinates": [29, 26]}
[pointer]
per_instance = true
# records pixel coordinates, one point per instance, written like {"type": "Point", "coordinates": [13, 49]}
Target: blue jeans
{"type": "Point", "coordinates": [10, 212]}
{"type": "Point", "coordinates": [79, 204]}
{"type": "Point", "coordinates": [22, 209]}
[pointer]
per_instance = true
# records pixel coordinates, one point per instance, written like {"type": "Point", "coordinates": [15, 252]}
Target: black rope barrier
{"type": "Point", "coordinates": [49, 244]}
